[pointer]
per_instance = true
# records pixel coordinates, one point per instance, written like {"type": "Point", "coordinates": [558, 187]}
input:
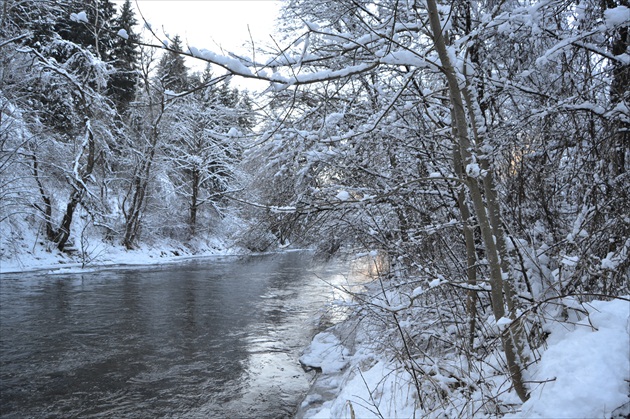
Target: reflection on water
{"type": "Point", "coordinates": [202, 339]}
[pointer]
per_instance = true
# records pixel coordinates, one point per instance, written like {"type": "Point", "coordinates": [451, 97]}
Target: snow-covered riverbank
{"type": "Point", "coordinates": [40, 258]}
{"type": "Point", "coordinates": [583, 371]}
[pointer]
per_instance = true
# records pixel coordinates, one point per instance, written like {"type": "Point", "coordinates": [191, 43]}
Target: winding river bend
{"type": "Point", "coordinates": [205, 338]}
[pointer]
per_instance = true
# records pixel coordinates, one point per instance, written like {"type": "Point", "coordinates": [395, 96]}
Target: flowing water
{"type": "Point", "coordinates": [198, 339]}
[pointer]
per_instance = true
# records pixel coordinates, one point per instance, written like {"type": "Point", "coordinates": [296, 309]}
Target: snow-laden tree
{"type": "Point", "coordinates": [185, 134]}
{"type": "Point", "coordinates": [54, 85]}
{"type": "Point", "coordinates": [124, 54]}
{"type": "Point", "coordinates": [88, 23]}
{"type": "Point", "coordinates": [172, 72]}
{"type": "Point", "coordinates": [143, 145]}
{"type": "Point", "coordinates": [504, 120]}
{"type": "Point", "coordinates": [96, 148]}
{"type": "Point", "coordinates": [204, 131]}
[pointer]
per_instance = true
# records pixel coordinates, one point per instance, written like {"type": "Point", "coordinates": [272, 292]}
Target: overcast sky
{"type": "Point", "coordinates": [205, 23]}
{"type": "Point", "coordinates": [211, 24]}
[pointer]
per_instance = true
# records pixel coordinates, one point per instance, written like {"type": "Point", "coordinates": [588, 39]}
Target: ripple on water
{"type": "Point", "coordinates": [202, 339]}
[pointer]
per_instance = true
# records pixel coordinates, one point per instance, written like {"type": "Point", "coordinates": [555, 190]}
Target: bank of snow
{"type": "Point", "coordinates": [100, 254]}
{"type": "Point", "coordinates": [584, 372]}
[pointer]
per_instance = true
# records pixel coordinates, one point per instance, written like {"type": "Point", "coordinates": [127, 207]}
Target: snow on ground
{"type": "Point", "coordinates": [584, 373]}
{"type": "Point", "coordinates": [585, 370]}
{"type": "Point", "coordinates": [102, 254]}
{"type": "Point", "coordinates": [358, 382]}
{"type": "Point", "coordinates": [360, 395]}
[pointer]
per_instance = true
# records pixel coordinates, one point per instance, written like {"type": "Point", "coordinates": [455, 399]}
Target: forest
{"type": "Point", "coordinates": [480, 148]}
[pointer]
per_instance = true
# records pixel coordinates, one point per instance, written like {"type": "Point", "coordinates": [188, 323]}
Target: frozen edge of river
{"type": "Point", "coordinates": [108, 256]}
{"type": "Point", "coordinates": [40, 259]}
{"type": "Point", "coordinates": [326, 386]}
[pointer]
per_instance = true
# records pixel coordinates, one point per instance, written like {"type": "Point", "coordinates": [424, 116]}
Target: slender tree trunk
{"type": "Point", "coordinates": [482, 209]}
{"type": "Point", "coordinates": [193, 201]}
{"type": "Point", "coordinates": [47, 210]}
{"type": "Point", "coordinates": [494, 215]}
{"type": "Point", "coordinates": [76, 196]}
{"type": "Point", "coordinates": [471, 252]}
{"type": "Point", "coordinates": [134, 213]}
{"type": "Point", "coordinates": [61, 235]}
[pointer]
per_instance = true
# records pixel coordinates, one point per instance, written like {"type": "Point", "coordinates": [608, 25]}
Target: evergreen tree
{"type": "Point", "coordinates": [172, 71]}
{"type": "Point", "coordinates": [206, 75]}
{"type": "Point", "coordinates": [104, 25]}
{"type": "Point", "coordinates": [35, 17]}
{"type": "Point", "coordinates": [58, 83]}
{"type": "Point", "coordinates": [124, 55]}
{"type": "Point", "coordinates": [96, 35]}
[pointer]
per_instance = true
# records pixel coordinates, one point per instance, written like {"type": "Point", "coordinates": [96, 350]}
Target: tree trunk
{"type": "Point", "coordinates": [193, 201]}
{"type": "Point", "coordinates": [61, 235]}
{"type": "Point", "coordinates": [47, 210]}
{"type": "Point", "coordinates": [471, 253]}
{"type": "Point", "coordinates": [133, 214]}
{"type": "Point", "coordinates": [482, 209]}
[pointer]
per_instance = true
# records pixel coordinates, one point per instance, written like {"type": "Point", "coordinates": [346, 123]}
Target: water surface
{"type": "Point", "coordinates": [197, 339]}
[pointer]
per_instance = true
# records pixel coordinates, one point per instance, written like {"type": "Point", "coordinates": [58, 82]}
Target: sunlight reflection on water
{"type": "Point", "coordinates": [198, 339]}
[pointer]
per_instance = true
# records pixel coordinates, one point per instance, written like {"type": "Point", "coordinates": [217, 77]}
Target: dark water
{"type": "Point", "coordinates": [200, 339]}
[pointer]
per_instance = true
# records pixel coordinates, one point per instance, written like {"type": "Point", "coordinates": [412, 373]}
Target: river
{"type": "Point", "coordinates": [217, 338]}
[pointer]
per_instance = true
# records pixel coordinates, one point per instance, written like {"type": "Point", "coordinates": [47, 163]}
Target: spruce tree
{"type": "Point", "coordinates": [124, 55]}
{"type": "Point", "coordinates": [106, 13]}
{"type": "Point", "coordinates": [96, 35]}
{"type": "Point", "coordinates": [172, 71]}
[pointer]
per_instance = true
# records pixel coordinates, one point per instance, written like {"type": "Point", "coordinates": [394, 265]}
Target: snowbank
{"type": "Point", "coordinates": [583, 373]}
{"type": "Point", "coordinates": [102, 254]}
{"type": "Point", "coordinates": [356, 379]}
{"type": "Point", "coordinates": [325, 353]}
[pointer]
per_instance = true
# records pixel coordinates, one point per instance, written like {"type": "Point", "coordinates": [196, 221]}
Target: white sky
{"type": "Point", "coordinates": [211, 24]}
